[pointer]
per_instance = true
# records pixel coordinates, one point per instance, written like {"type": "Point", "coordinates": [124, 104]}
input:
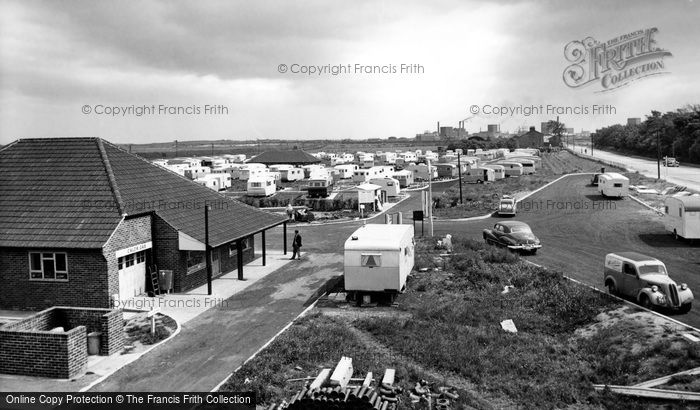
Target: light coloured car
{"type": "Point", "coordinates": [507, 205]}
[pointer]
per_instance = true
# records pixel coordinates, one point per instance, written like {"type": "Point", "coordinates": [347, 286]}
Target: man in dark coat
{"type": "Point", "coordinates": [296, 246]}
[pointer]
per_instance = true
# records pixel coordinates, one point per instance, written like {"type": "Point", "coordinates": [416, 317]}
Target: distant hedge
{"type": "Point", "coordinates": [678, 131]}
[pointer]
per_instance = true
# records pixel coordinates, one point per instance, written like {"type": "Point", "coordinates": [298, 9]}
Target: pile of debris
{"type": "Point", "coordinates": [443, 395]}
{"type": "Point", "coordinates": [338, 390]}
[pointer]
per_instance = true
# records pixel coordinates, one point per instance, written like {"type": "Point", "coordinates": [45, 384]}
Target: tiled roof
{"type": "Point", "coordinates": [71, 192]}
{"type": "Point", "coordinates": [293, 157]}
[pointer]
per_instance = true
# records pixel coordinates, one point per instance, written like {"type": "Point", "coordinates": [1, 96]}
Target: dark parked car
{"type": "Point", "coordinates": [513, 235]}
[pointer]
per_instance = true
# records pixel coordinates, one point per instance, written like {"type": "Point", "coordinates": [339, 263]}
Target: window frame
{"type": "Point", "coordinates": [232, 250]}
{"type": "Point", "coordinates": [199, 266]}
{"type": "Point", "coordinates": [42, 271]}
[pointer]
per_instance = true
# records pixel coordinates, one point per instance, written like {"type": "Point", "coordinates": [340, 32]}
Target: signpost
{"type": "Point", "coordinates": [152, 314]}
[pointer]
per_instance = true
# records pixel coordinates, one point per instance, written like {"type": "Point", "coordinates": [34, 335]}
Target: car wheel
{"type": "Point", "coordinates": [685, 308]}
{"type": "Point", "coordinates": [612, 289]}
{"type": "Point", "coordinates": [646, 302]}
{"type": "Point", "coordinates": [533, 252]}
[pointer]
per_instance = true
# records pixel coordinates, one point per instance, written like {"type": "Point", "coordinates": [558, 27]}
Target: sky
{"type": "Point", "coordinates": [157, 71]}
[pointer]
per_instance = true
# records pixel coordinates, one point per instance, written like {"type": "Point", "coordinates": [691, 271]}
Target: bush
{"type": "Point", "coordinates": [149, 338]}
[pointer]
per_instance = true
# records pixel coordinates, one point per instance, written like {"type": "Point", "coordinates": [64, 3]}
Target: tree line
{"type": "Point", "coordinates": [677, 132]}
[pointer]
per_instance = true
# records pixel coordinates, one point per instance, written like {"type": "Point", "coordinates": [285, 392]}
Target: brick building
{"type": "Point", "coordinates": [83, 222]}
{"type": "Point", "coordinates": [531, 139]}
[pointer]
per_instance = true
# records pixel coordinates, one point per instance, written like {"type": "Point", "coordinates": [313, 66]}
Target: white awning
{"type": "Point", "coordinates": [188, 243]}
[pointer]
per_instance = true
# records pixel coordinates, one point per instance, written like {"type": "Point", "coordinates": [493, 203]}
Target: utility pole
{"type": "Point", "coordinates": [430, 200]}
{"type": "Point", "coordinates": [658, 155]}
{"type": "Point", "coordinates": [459, 170]}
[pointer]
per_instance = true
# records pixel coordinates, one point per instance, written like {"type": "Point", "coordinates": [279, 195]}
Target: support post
{"type": "Point", "coordinates": [284, 238]}
{"type": "Point", "coordinates": [264, 254]}
{"type": "Point", "coordinates": [239, 254]}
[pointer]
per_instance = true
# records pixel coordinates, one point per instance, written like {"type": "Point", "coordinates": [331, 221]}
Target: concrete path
{"type": "Point", "coordinates": [209, 348]}
{"type": "Point", "coordinates": [683, 175]}
{"type": "Point", "coordinates": [184, 307]}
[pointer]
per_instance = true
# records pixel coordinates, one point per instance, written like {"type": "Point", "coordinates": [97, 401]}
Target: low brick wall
{"type": "Point", "coordinates": [28, 347]}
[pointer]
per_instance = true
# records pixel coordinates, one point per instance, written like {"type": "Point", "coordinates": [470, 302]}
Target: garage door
{"type": "Point", "coordinates": [132, 275]}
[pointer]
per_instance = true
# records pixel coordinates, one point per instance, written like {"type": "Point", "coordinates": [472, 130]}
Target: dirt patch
{"type": "Point", "coordinates": [639, 324]}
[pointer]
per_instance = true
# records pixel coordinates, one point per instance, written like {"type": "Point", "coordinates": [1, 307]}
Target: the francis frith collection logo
{"type": "Point", "coordinates": [616, 62]}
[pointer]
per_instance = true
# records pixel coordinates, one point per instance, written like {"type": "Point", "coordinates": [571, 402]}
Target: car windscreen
{"type": "Point", "coordinates": [654, 269]}
{"type": "Point", "coordinates": [520, 229]}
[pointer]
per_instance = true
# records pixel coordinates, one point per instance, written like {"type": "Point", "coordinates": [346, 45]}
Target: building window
{"type": "Point", "coordinates": [48, 266]}
{"type": "Point", "coordinates": [141, 257]}
{"type": "Point", "coordinates": [120, 263]}
{"type": "Point", "coordinates": [195, 261]}
{"type": "Point", "coordinates": [232, 246]}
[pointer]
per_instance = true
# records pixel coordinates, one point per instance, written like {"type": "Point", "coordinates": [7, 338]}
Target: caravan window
{"type": "Point", "coordinates": [371, 260]}
{"type": "Point", "coordinates": [617, 185]}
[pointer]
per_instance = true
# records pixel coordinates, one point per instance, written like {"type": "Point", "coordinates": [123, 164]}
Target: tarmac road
{"type": "Point", "coordinates": [684, 175]}
{"type": "Point", "coordinates": [575, 241]}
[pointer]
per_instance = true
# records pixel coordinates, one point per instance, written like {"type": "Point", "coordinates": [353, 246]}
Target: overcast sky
{"type": "Point", "coordinates": [56, 57]}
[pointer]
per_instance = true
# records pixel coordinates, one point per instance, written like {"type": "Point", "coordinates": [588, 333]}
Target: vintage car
{"type": "Point", "coordinates": [645, 279]}
{"type": "Point", "coordinates": [671, 162]}
{"type": "Point", "coordinates": [513, 235]}
{"type": "Point", "coordinates": [506, 206]}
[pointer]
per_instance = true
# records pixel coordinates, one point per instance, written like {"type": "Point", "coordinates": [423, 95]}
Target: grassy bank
{"type": "Point", "coordinates": [447, 330]}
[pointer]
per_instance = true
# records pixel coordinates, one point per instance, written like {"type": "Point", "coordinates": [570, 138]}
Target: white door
{"type": "Point", "coordinates": [132, 275]}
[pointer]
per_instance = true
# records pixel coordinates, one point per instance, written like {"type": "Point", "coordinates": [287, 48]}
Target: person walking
{"type": "Point", "coordinates": [290, 211]}
{"type": "Point", "coordinates": [296, 246]}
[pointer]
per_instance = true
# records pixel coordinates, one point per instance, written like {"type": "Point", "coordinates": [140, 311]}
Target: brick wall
{"type": "Point", "coordinates": [165, 243]}
{"type": "Point", "coordinates": [27, 347]}
{"type": "Point", "coordinates": [130, 232]}
{"type": "Point", "coordinates": [109, 322]}
{"type": "Point", "coordinates": [86, 286]}
{"type": "Point", "coordinates": [227, 263]}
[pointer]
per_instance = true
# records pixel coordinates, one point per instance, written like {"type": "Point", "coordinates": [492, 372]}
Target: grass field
{"type": "Point", "coordinates": [447, 330]}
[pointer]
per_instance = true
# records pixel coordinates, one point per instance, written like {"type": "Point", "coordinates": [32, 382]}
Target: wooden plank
{"type": "Point", "coordinates": [666, 379]}
{"type": "Point", "coordinates": [342, 373]}
{"type": "Point", "coordinates": [388, 378]}
{"type": "Point", "coordinates": [651, 393]}
{"type": "Point", "coordinates": [320, 380]}
{"type": "Point", "coordinates": [368, 380]}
